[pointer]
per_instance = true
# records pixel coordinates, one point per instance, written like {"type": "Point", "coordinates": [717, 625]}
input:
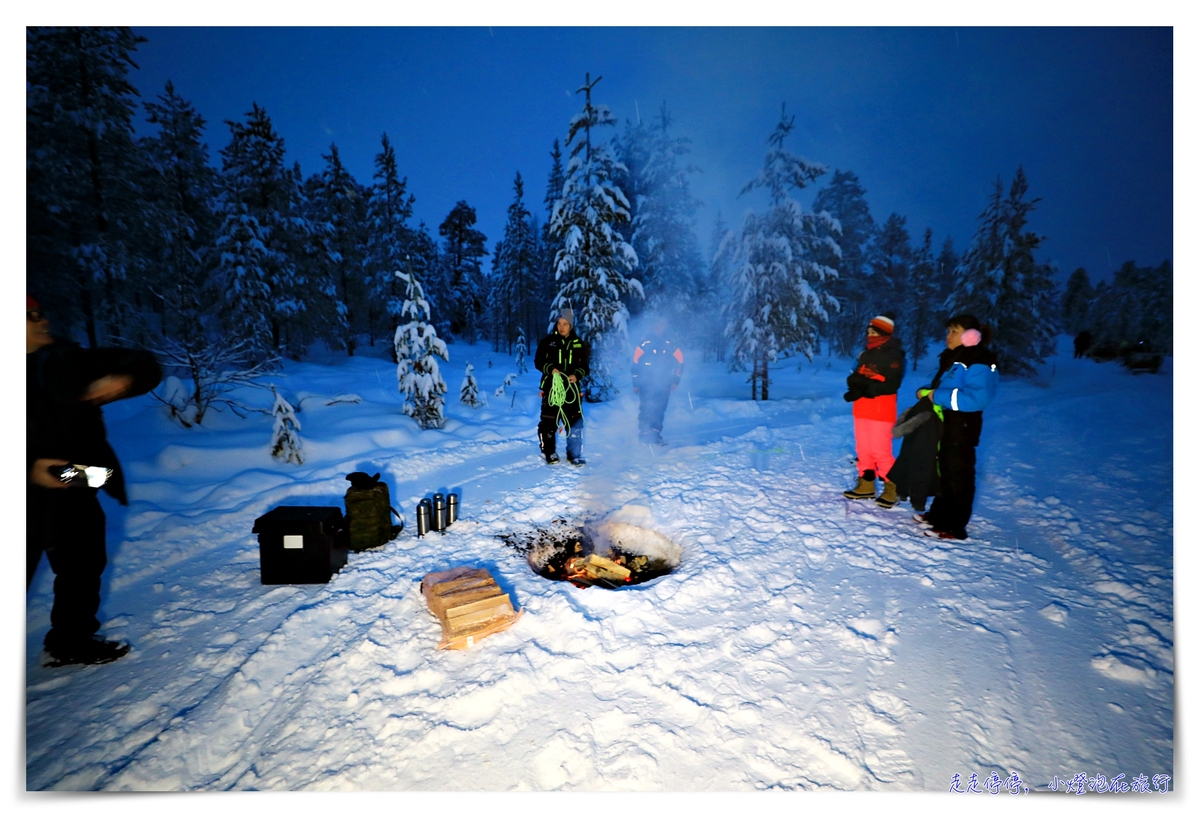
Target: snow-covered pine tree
{"type": "Point", "coordinates": [779, 290]}
{"type": "Point", "coordinates": [548, 247]}
{"type": "Point", "coordinates": [82, 197]}
{"type": "Point", "coordinates": [463, 254]}
{"type": "Point", "coordinates": [511, 302]}
{"type": "Point", "coordinates": [285, 436]}
{"type": "Point", "coordinates": [522, 350]}
{"type": "Point", "coordinates": [845, 200]}
{"type": "Point", "coordinates": [594, 263]}
{"type": "Point", "coordinates": [890, 257]}
{"type": "Point", "coordinates": [1135, 307]}
{"type": "Point", "coordinates": [178, 206]}
{"type": "Point", "coordinates": [260, 190]}
{"type": "Point", "coordinates": [243, 273]}
{"type": "Point", "coordinates": [417, 350]}
{"type": "Point", "coordinates": [1001, 283]}
{"type": "Point", "coordinates": [389, 240]}
{"type": "Point", "coordinates": [468, 393]}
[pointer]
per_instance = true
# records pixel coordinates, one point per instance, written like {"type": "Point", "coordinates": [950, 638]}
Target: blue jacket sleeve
{"type": "Point", "coordinates": [967, 389]}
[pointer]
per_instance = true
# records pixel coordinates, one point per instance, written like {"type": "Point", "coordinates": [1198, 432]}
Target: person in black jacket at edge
{"type": "Point", "coordinates": [65, 388]}
{"type": "Point", "coordinates": [562, 360]}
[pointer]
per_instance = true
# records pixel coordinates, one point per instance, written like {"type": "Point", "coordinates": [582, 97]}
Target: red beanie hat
{"type": "Point", "coordinates": [31, 304]}
{"type": "Point", "coordinates": [884, 324]}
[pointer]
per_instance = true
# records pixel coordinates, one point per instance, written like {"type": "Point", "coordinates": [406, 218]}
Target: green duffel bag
{"type": "Point", "coordinates": [369, 512]}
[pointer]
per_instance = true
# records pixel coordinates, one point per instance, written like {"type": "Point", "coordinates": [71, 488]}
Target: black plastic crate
{"type": "Point", "coordinates": [301, 545]}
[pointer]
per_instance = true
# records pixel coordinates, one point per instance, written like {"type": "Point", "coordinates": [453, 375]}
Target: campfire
{"type": "Point", "coordinates": [610, 556]}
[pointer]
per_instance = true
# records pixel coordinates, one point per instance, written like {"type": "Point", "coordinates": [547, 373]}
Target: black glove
{"type": "Point", "coordinates": [852, 395]}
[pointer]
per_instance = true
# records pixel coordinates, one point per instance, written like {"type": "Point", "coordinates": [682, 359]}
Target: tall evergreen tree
{"type": "Point", "coordinates": [663, 216]}
{"type": "Point", "coordinates": [779, 290]}
{"type": "Point", "coordinates": [389, 240]}
{"type": "Point", "coordinates": [593, 263]}
{"type": "Point", "coordinates": [1078, 296]}
{"type": "Point", "coordinates": [1136, 307]}
{"type": "Point", "coordinates": [923, 295]}
{"type": "Point", "coordinates": [463, 252]}
{"type": "Point", "coordinates": [512, 304]}
{"type": "Point", "coordinates": [81, 166]}
{"type": "Point", "coordinates": [890, 257]}
{"type": "Point", "coordinates": [261, 198]}
{"type": "Point", "coordinates": [844, 198]}
{"type": "Point", "coordinates": [178, 196]}
{"type": "Point", "coordinates": [549, 245]}
{"type": "Point", "coordinates": [1002, 283]}
{"type": "Point", "coordinates": [336, 215]}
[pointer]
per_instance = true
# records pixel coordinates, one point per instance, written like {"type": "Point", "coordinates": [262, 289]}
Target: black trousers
{"type": "Point", "coordinates": [549, 420]}
{"type": "Point", "coordinates": [68, 525]}
{"type": "Point", "coordinates": [652, 408]}
{"type": "Point", "coordinates": [951, 509]}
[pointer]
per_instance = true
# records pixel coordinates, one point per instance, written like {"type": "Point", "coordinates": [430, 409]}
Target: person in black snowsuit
{"type": "Point", "coordinates": [65, 388]}
{"type": "Point", "coordinates": [657, 369]}
{"type": "Point", "coordinates": [562, 360]}
{"type": "Point", "coordinates": [965, 384]}
{"type": "Point", "coordinates": [915, 470]}
{"type": "Point", "coordinates": [1083, 342]}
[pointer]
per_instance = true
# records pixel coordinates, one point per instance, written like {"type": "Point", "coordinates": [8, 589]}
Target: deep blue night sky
{"type": "Point", "coordinates": [927, 117]}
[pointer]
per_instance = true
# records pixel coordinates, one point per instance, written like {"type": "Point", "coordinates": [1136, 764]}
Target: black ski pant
{"type": "Point", "coordinates": [550, 419]}
{"type": "Point", "coordinates": [951, 509]}
{"type": "Point", "coordinates": [652, 408]}
{"type": "Point", "coordinates": [68, 525]}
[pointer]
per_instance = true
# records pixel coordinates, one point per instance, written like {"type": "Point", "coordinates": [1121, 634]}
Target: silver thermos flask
{"type": "Point", "coordinates": [423, 518]}
{"type": "Point", "coordinates": [451, 509]}
{"type": "Point", "coordinates": [439, 512]}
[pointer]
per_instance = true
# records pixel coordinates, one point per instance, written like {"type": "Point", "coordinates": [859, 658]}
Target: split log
{"type": "Point", "coordinates": [469, 604]}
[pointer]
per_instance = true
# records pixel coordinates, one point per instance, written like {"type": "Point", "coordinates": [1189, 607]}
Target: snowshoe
{"type": "Point", "coordinates": [93, 651]}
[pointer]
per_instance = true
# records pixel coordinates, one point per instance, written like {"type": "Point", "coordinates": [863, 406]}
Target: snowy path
{"type": "Point", "coordinates": [804, 641]}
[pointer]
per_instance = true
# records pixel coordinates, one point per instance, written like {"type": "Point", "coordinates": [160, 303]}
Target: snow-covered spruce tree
{"type": "Point", "coordinates": [261, 199]}
{"type": "Point", "coordinates": [336, 217]}
{"type": "Point", "coordinates": [1001, 283]}
{"type": "Point", "coordinates": [81, 169]}
{"type": "Point", "coordinates": [521, 351]}
{"type": "Point", "coordinates": [593, 264]}
{"type": "Point", "coordinates": [512, 304]}
{"type": "Point", "coordinates": [778, 290]}
{"type": "Point", "coordinates": [1135, 307]}
{"type": "Point", "coordinates": [548, 247]}
{"type": "Point", "coordinates": [663, 216]}
{"type": "Point", "coordinates": [845, 200]}
{"type": "Point", "coordinates": [417, 350]}
{"type": "Point", "coordinates": [179, 193]}
{"type": "Point", "coordinates": [1076, 298]}
{"type": "Point", "coordinates": [285, 437]}
{"type": "Point", "coordinates": [921, 297]}
{"type": "Point", "coordinates": [468, 393]}
{"type": "Point", "coordinates": [388, 242]}
{"type": "Point", "coordinates": [462, 259]}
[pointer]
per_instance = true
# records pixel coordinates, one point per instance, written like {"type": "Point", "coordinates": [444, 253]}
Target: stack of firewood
{"type": "Point", "coordinates": [469, 604]}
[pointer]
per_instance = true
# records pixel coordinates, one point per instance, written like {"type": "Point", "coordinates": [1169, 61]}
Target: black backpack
{"type": "Point", "coordinates": [369, 512]}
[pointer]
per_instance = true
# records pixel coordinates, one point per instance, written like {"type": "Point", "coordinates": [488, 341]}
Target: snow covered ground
{"type": "Point", "coordinates": [804, 641]}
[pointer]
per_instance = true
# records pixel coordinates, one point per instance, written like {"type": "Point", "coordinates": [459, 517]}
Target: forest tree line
{"type": "Point", "coordinates": [153, 241]}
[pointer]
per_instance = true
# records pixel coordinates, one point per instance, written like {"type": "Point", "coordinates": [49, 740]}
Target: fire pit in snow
{"type": "Point", "coordinates": [609, 555]}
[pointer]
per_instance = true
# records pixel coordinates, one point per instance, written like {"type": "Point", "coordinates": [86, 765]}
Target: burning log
{"type": "Point", "coordinates": [594, 569]}
{"type": "Point", "coordinates": [469, 604]}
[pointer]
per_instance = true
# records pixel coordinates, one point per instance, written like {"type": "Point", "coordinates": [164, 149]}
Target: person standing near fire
{"type": "Point", "coordinates": [562, 360]}
{"type": "Point", "coordinates": [65, 388]}
{"type": "Point", "coordinates": [657, 369]}
{"type": "Point", "coordinates": [872, 387]}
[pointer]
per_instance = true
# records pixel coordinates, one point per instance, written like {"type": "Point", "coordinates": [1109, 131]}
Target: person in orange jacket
{"type": "Point", "coordinates": [657, 368]}
{"type": "Point", "coordinates": [872, 388]}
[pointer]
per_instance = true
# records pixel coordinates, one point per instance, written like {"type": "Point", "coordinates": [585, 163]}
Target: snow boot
{"type": "Point", "coordinates": [888, 499]}
{"type": "Point", "coordinates": [865, 490]}
{"type": "Point", "coordinates": [920, 520]}
{"type": "Point", "coordinates": [552, 458]}
{"type": "Point", "coordinates": [576, 461]}
{"type": "Point", "coordinates": [92, 651]}
{"type": "Point", "coordinates": [942, 535]}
